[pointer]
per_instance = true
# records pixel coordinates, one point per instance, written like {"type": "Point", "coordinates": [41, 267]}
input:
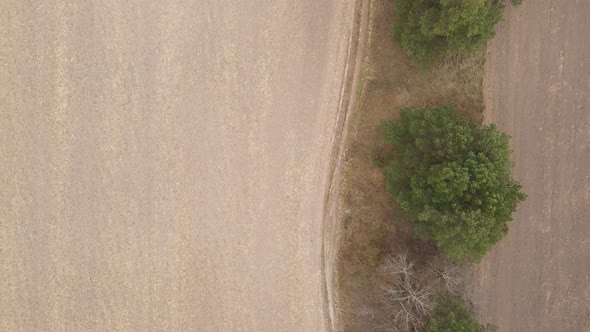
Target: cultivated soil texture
{"type": "Point", "coordinates": [163, 166]}
{"type": "Point", "coordinates": [538, 90]}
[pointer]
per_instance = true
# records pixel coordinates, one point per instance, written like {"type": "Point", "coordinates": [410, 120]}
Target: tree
{"type": "Point", "coordinates": [407, 299]}
{"type": "Point", "coordinates": [457, 282]}
{"type": "Point", "coordinates": [450, 315]}
{"type": "Point", "coordinates": [453, 179]}
{"type": "Point", "coordinates": [433, 29]}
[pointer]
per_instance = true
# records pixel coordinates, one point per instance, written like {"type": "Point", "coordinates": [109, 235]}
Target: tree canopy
{"type": "Point", "coordinates": [433, 29]}
{"type": "Point", "coordinates": [453, 179]}
{"type": "Point", "coordinates": [450, 315]}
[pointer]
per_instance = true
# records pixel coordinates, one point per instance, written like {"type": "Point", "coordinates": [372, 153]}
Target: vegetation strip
{"type": "Point", "coordinates": [408, 265]}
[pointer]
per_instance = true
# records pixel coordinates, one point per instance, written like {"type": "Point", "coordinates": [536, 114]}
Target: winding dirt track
{"type": "Point", "coordinates": [164, 166]}
{"type": "Point", "coordinates": [538, 89]}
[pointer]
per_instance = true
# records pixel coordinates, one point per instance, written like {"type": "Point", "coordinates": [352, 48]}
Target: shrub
{"type": "Point", "coordinates": [450, 315]}
{"type": "Point", "coordinates": [453, 179]}
{"type": "Point", "coordinates": [433, 29]}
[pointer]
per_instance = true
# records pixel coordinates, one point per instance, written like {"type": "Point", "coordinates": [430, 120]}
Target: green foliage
{"type": "Point", "coordinates": [450, 315]}
{"type": "Point", "coordinates": [453, 179]}
{"type": "Point", "coordinates": [516, 2]}
{"type": "Point", "coordinates": [430, 30]}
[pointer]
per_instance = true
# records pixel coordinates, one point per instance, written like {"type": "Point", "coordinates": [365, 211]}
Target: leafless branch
{"type": "Point", "coordinates": [451, 276]}
{"type": "Point", "coordinates": [406, 298]}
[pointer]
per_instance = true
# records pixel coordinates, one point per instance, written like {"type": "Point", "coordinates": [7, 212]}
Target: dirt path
{"type": "Point", "coordinates": [164, 167]}
{"type": "Point", "coordinates": [538, 89]}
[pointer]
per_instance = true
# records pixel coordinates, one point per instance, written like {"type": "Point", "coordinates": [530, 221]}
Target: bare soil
{"type": "Point", "coordinates": [538, 90]}
{"type": "Point", "coordinates": [164, 165]}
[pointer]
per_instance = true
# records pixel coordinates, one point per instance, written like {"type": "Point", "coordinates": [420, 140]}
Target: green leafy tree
{"type": "Point", "coordinates": [433, 29]}
{"type": "Point", "coordinates": [450, 315]}
{"type": "Point", "coordinates": [453, 179]}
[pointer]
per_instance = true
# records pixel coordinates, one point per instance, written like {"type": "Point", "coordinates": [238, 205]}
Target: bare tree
{"type": "Point", "coordinates": [451, 276]}
{"type": "Point", "coordinates": [458, 282]}
{"type": "Point", "coordinates": [407, 299]}
{"type": "Point", "coordinates": [398, 265]}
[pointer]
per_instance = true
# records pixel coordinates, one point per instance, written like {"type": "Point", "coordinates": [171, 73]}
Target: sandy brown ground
{"type": "Point", "coordinates": [538, 89]}
{"type": "Point", "coordinates": [163, 166]}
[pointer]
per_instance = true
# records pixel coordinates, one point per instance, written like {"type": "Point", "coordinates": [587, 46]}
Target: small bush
{"type": "Point", "coordinates": [430, 30]}
{"type": "Point", "coordinates": [450, 315]}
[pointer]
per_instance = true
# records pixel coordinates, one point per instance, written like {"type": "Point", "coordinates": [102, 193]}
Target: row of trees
{"type": "Point", "coordinates": [451, 177]}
